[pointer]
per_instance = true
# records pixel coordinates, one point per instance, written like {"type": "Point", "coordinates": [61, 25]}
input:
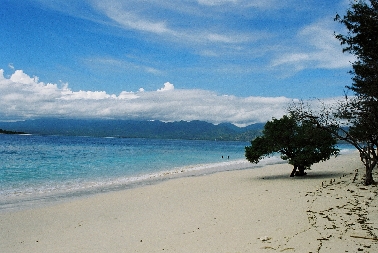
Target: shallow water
{"type": "Point", "coordinates": [52, 167]}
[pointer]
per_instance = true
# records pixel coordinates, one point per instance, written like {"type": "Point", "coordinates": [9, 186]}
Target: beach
{"type": "Point", "coordinates": [250, 210]}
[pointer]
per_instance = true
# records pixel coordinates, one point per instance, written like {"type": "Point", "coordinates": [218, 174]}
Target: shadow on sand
{"type": "Point", "coordinates": [310, 175]}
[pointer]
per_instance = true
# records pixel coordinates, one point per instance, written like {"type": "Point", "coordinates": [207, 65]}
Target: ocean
{"type": "Point", "coordinates": [41, 169]}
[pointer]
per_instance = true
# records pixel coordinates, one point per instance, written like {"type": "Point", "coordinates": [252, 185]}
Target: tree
{"type": "Point", "coordinates": [363, 132]}
{"type": "Point", "coordinates": [361, 40]}
{"type": "Point", "coordinates": [355, 120]}
{"type": "Point", "coordinates": [361, 112]}
{"type": "Point", "coordinates": [299, 142]}
{"type": "Point", "coordinates": [347, 122]}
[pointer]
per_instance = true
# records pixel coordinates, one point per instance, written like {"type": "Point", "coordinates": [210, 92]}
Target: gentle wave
{"type": "Point", "coordinates": [197, 169]}
{"type": "Point", "coordinates": [81, 184]}
{"type": "Point", "coordinates": [50, 168]}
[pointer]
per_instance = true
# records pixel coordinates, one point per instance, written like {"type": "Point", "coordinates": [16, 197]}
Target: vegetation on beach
{"type": "Point", "coordinates": [299, 142]}
{"type": "Point", "coordinates": [355, 119]}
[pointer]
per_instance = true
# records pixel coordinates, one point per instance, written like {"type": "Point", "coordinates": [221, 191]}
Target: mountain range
{"type": "Point", "coordinates": [193, 130]}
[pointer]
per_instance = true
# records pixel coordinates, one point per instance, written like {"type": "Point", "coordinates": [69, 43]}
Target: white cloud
{"type": "Point", "coordinates": [229, 29]}
{"type": "Point", "coordinates": [294, 59]}
{"type": "Point", "coordinates": [20, 77]}
{"type": "Point", "coordinates": [135, 22]}
{"type": "Point", "coordinates": [161, 19]}
{"type": "Point", "coordinates": [230, 39]}
{"type": "Point", "coordinates": [328, 52]}
{"type": "Point", "coordinates": [2, 75]}
{"type": "Point", "coordinates": [22, 96]}
{"type": "Point", "coordinates": [115, 64]}
{"type": "Point", "coordinates": [129, 95]}
{"type": "Point", "coordinates": [314, 47]}
{"type": "Point", "coordinates": [215, 2]}
{"type": "Point", "coordinates": [248, 3]}
{"type": "Point", "coordinates": [167, 87]}
{"type": "Point", "coordinates": [96, 95]}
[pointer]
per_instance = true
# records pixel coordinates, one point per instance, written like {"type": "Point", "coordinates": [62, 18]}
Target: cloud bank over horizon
{"type": "Point", "coordinates": [25, 97]}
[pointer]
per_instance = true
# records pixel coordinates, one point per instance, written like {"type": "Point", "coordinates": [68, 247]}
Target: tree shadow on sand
{"type": "Point", "coordinates": [309, 176]}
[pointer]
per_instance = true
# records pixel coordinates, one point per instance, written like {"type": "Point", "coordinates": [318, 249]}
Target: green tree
{"type": "Point", "coordinates": [361, 111]}
{"type": "Point", "coordinates": [361, 20]}
{"type": "Point", "coordinates": [355, 120]}
{"type": "Point", "coordinates": [299, 142]}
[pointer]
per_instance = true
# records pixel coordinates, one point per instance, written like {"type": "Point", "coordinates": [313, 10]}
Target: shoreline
{"type": "Point", "coordinates": [249, 210]}
{"type": "Point", "coordinates": [37, 198]}
{"type": "Point", "coordinates": [41, 196]}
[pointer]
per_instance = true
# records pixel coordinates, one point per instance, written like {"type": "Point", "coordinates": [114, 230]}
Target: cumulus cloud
{"type": "Point", "coordinates": [128, 95]}
{"type": "Point", "coordinates": [25, 97]}
{"type": "Point", "coordinates": [96, 95]}
{"type": "Point", "coordinates": [20, 77]}
{"type": "Point", "coordinates": [167, 87]}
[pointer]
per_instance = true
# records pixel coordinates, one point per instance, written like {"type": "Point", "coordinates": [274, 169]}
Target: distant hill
{"type": "Point", "coordinates": [9, 132]}
{"type": "Point", "coordinates": [193, 130]}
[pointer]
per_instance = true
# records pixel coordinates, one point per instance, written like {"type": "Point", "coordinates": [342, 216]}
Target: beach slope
{"type": "Point", "coordinates": [251, 210]}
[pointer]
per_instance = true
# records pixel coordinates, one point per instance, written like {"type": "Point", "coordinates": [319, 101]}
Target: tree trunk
{"type": "Point", "coordinates": [294, 170]}
{"type": "Point", "coordinates": [369, 175]}
{"type": "Point", "coordinates": [368, 159]}
{"type": "Point", "coordinates": [301, 170]}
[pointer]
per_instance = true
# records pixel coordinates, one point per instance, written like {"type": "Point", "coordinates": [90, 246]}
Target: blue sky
{"type": "Point", "coordinates": [201, 53]}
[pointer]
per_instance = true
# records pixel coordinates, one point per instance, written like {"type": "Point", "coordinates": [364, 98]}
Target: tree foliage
{"type": "Point", "coordinates": [361, 20]}
{"type": "Point", "coordinates": [299, 142]}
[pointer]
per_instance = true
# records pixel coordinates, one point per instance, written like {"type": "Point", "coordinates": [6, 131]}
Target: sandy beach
{"type": "Point", "coordinates": [250, 210]}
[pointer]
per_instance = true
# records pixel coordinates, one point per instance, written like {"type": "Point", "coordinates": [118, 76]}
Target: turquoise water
{"type": "Point", "coordinates": [39, 166]}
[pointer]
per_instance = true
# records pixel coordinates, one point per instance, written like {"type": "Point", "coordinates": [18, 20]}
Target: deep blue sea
{"type": "Point", "coordinates": [50, 167]}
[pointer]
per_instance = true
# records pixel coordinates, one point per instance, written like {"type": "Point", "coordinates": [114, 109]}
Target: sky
{"type": "Point", "coordinates": [236, 61]}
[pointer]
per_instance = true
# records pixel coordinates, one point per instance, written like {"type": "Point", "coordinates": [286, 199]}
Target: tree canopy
{"type": "Point", "coordinates": [299, 142]}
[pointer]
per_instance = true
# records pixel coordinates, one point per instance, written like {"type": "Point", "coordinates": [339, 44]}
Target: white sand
{"type": "Point", "coordinates": [253, 210]}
